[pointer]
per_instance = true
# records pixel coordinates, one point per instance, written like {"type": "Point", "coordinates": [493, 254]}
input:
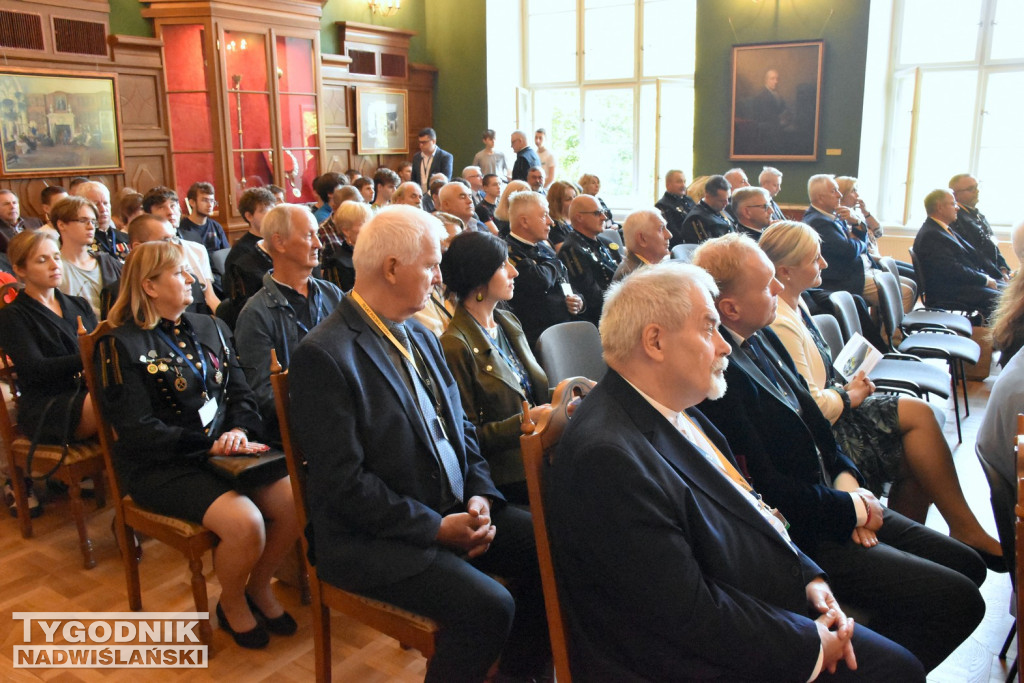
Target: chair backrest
{"type": "Point", "coordinates": [1002, 499]}
{"type": "Point", "coordinates": [217, 259]}
{"type": "Point", "coordinates": [8, 412]}
{"type": "Point", "coordinates": [890, 303]}
{"type": "Point", "coordinates": [87, 343]}
{"type": "Point", "coordinates": [8, 290]}
{"type": "Point", "coordinates": [845, 310]}
{"type": "Point", "coordinates": [920, 277]}
{"type": "Point", "coordinates": [293, 456]}
{"type": "Point", "coordinates": [684, 252]}
{"type": "Point", "coordinates": [571, 349]}
{"type": "Point", "coordinates": [538, 446]}
{"type": "Point", "coordinates": [829, 328]}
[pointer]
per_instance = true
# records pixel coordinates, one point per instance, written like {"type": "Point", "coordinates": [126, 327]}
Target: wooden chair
{"type": "Point", "coordinates": [191, 540]}
{"type": "Point", "coordinates": [538, 445]}
{"type": "Point", "coordinates": [83, 460]}
{"type": "Point", "coordinates": [411, 630]}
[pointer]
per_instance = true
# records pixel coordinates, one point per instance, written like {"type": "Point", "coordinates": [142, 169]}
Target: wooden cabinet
{"type": "Point", "coordinates": [243, 84]}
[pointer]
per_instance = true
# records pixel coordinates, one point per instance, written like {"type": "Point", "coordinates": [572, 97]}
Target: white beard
{"type": "Point", "coordinates": [718, 385]}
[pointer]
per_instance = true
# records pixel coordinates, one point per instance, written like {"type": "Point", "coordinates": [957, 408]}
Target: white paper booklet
{"type": "Point", "coordinates": [857, 355]}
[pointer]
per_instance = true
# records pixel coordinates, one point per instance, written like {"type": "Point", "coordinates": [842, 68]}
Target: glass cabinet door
{"type": "Point", "coordinates": [249, 113]}
{"type": "Point", "coordinates": [187, 94]}
{"type": "Point", "coordinates": [297, 111]}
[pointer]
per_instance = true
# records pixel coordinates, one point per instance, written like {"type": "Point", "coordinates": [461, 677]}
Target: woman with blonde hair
{"type": "Point", "coordinates": [591, 184]}
{"type": "Point", "coordinates": [1008, 321]}
{"type": "Point", "coordinates": [890, 438]}
{"type": "Point", "coordinates": [560, 196]}
{"type": "Point", "coordinates": [175, 394]}
{"type": "Point", "coordinates": [695, 190]}
{"type": "Point", "coordinates": [501, 216]}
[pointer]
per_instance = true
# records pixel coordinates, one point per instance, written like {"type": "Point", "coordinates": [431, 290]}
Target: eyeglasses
{"type": "Point", "coordinates": [591, 213]}
{"type": "Point", "coordinates": [173, 239]}
{"type": "Point", "coordinates": [766, 207]}
{"type": "Point", "coordinates": [85, 221]}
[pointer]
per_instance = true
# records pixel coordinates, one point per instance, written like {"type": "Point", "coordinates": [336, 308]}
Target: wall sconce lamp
{"type": "Point", "coordinates": [385, 8]}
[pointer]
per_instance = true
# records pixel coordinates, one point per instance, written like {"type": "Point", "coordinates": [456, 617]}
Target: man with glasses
{"type": "Point", "coordinates": [590, 263]}
{"type": "Point", "coordinates": [199, 226]}
{"type": "Point", "coordinates": [753, 210]}
{"type": "Point", "coordinates": [430, 159]}
{"type": "Point", "coordinates": [475, 177]}
{"type": "Point", "coordinates": [163, 202]}
{"type": "Point", "coordinates": [972, 225]}
{"type": "Point", "coordinates": [108, 239]}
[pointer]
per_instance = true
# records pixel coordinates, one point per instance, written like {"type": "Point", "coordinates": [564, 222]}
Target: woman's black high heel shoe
{"type": "Point", "coordinates": [283, 625]}
{"type": "Point", "coordinates": [253, 639]}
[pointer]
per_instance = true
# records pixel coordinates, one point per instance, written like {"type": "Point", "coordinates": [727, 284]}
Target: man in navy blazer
{"type": "Point", "coordinates": [955, 274]}
{"type": "Point", "coordinates": [430, 157]}
{"type": "Point", "coordinates": [668, 568]}
{"type": "Point", "coordinates": [845, 248]}
{"type": "Point", "coordinates": [918, 586]}
{"type": "Point", "coordinates": [402, 506]}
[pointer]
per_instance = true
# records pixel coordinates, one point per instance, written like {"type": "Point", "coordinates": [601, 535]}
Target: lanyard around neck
{"type": "Point", "coordinates": [406, 353]}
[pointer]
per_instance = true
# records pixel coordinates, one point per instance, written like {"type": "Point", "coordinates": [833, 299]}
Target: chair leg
{"type": "Point", "coordinates": [322, 640]}
{"type": "Point", "coordinates": [1009, 639]}
{"type": "Point", "coordinates": [195, 565]}
{"type": "Point", "coordinates": [956, 401]}
{"type": "Point", "coordinates": [78, 513]}
{"type": "Point", "coordinates": [1012, 675]}
{"type": "Point", "coordinates": [21, 500]}
{"type": "Point", "coordinates": [303, 575]}
{"type": "Point", "coordinates": [128, 542]}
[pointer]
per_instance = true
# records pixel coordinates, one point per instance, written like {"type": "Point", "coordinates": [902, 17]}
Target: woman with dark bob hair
{"type": "Point", "coordinates": [489, 356]}
{"type": "Point", "coordinates": [172, 389]}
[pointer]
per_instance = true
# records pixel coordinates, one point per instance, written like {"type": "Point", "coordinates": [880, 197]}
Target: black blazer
{"type": "Point", "coordinates": [952, 269]}
{"type": "Point", "coordinates": [44, 350]}
{"type": "Point", "coordinates": [662, 566]}
{"type": "Point", "coordinates": [441, 163]}
{"type": "Point", "coordinates": [780, 447]}
{"type": "Point", "coordinates": [845, 266]}
{"type": "Point", "coordinates": [375, 487]}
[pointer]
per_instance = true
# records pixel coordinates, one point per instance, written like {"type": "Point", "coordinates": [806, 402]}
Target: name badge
{"type": "Point", "coordinates": [208, 411]}
{"type": "Point", "coordinates": [566, 289]}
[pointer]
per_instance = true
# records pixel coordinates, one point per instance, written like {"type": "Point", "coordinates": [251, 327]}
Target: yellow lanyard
{"type": "Point", "coordinates": [731, 471]}
{"type": "Point", "coordinates": [383, 328]}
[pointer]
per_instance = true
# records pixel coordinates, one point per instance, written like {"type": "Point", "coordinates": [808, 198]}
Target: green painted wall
{"type": "Point", "coordinates": [411, 17]}
{"type": "Point", "coordinates": [126, 19]}
{"type": "Point", "coordinates": [844, 28]}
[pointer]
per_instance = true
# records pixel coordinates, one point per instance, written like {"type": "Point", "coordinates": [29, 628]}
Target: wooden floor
{"type": "Point", "coordinates": [45, 574]}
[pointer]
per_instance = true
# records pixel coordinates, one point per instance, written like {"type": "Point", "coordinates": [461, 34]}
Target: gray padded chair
{"type": "Point", "coordinates": [921, 318]}
{"type": "Point", "coordinates": [684, 252]}
{"type": "Point", "coordinates": [571, 349]}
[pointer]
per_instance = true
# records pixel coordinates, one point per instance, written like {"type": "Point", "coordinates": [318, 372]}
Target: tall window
{"type": "Point", "coordinates": [612, 82]}
{"type": "Point", "coordinates": [957, 79]}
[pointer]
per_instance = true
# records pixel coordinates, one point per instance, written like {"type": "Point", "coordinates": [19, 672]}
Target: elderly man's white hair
{"type": "Point", "coordinates": [520, 202]}
{"type": "Point", "coordinates": [396, 231]}
{"type": "Point", "coordinates": [817, 183]}
{"type": "Point", "coordinates": [661, 294]}
{"type": "Point", "coordinates": [89, 187]}
{"type": "Point", "coordinates": [647, 221]}
{"type": "Point", "coordinates": [768, 172]}
{"type": "Point", "coordinates": [281, 218]}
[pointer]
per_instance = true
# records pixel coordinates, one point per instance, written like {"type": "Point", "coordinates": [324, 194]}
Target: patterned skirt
{"type": "Point", "coordinates": [870, 435]}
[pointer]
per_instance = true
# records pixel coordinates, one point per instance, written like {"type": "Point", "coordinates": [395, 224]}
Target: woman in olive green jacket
{"type": "Point", "coordinates": [489, 356]}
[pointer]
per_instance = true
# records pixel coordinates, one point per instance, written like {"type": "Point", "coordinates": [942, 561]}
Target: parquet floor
{"type": "Point", "coordinates": [45, 574]}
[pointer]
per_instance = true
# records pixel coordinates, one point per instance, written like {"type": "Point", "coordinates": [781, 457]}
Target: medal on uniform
{"type": "Point", "coordinates": [218, 376]}
{"type": "Point", "coordinates": [180, 383]}
{"type": "Point", "coordinates": [151, 368]}
{"type": "Point", "coordinates": [163, 367]}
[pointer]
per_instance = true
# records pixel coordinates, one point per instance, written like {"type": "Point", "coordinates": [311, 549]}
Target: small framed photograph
{"type": "Point", "coordinates": [382, 120]}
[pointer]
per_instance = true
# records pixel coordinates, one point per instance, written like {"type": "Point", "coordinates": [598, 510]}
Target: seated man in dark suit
{"type": "Point", "coordinates": [675, 203]}
{"type": "Point", "coordinates": [844, 248]}
{"type": "Point", "coordinates": [543, 296]}
{"type": "Point", "coordinates": [972, 225]}
{"type": "Point", "coordinates": [753, 210]}
{"type": "Point", "coordinates": [955, 274]}
{"type": "Point", "coordinates": [669, 566]}
{"type": "Point", "coordinates": [708, 218]}
{"type": "Point", "coordinates": [402, 506]}
{"type": "Point", "coordinates": [918, 587]}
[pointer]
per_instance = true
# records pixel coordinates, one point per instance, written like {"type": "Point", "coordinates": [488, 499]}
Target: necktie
{"type": "Point", "coordinates": [435, 425]}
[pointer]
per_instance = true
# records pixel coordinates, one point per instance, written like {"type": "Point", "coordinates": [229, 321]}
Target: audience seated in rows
{"type": "Point", "coordinates": [706, 219]}
{"type": "Point", "coordinates": [198, 226]}
{"type": "Point", "coordinates": [589, 262]}
{"type": "Point", "coordinates": [84, 272]}
{"type": "Point", "coordinates": [675, 204]}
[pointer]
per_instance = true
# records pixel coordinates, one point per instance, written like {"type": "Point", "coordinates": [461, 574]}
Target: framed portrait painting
{"type": "Point", "coordinates": [776, 101]}
{"type": "Point", "coordinates": [58, 123]}
{"type": "Point", "coordinates": [382, 120]}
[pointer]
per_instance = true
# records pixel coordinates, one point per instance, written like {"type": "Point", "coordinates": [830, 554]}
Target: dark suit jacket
{"type": "Point", "coordinates": [845, 267]}
{"type": "Point", "coordinates": [702, 224]}
{"type": "Point", "coordinates": [972, 225]}
{"type": "Point", "coordinates": [953, 270]}
{"type": "Point", "coordinates": [674, 209]}
{"type": "Point", "coordinates": [663, 567]}
{"type": "Point", "coordinates": [778, 446]}
{"type": "Point", "coordinates": [375, 486]}
{"type": "Point", "coordinates": [441, 163]}
{"type": "Point", "coordinates": [491, 395]}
